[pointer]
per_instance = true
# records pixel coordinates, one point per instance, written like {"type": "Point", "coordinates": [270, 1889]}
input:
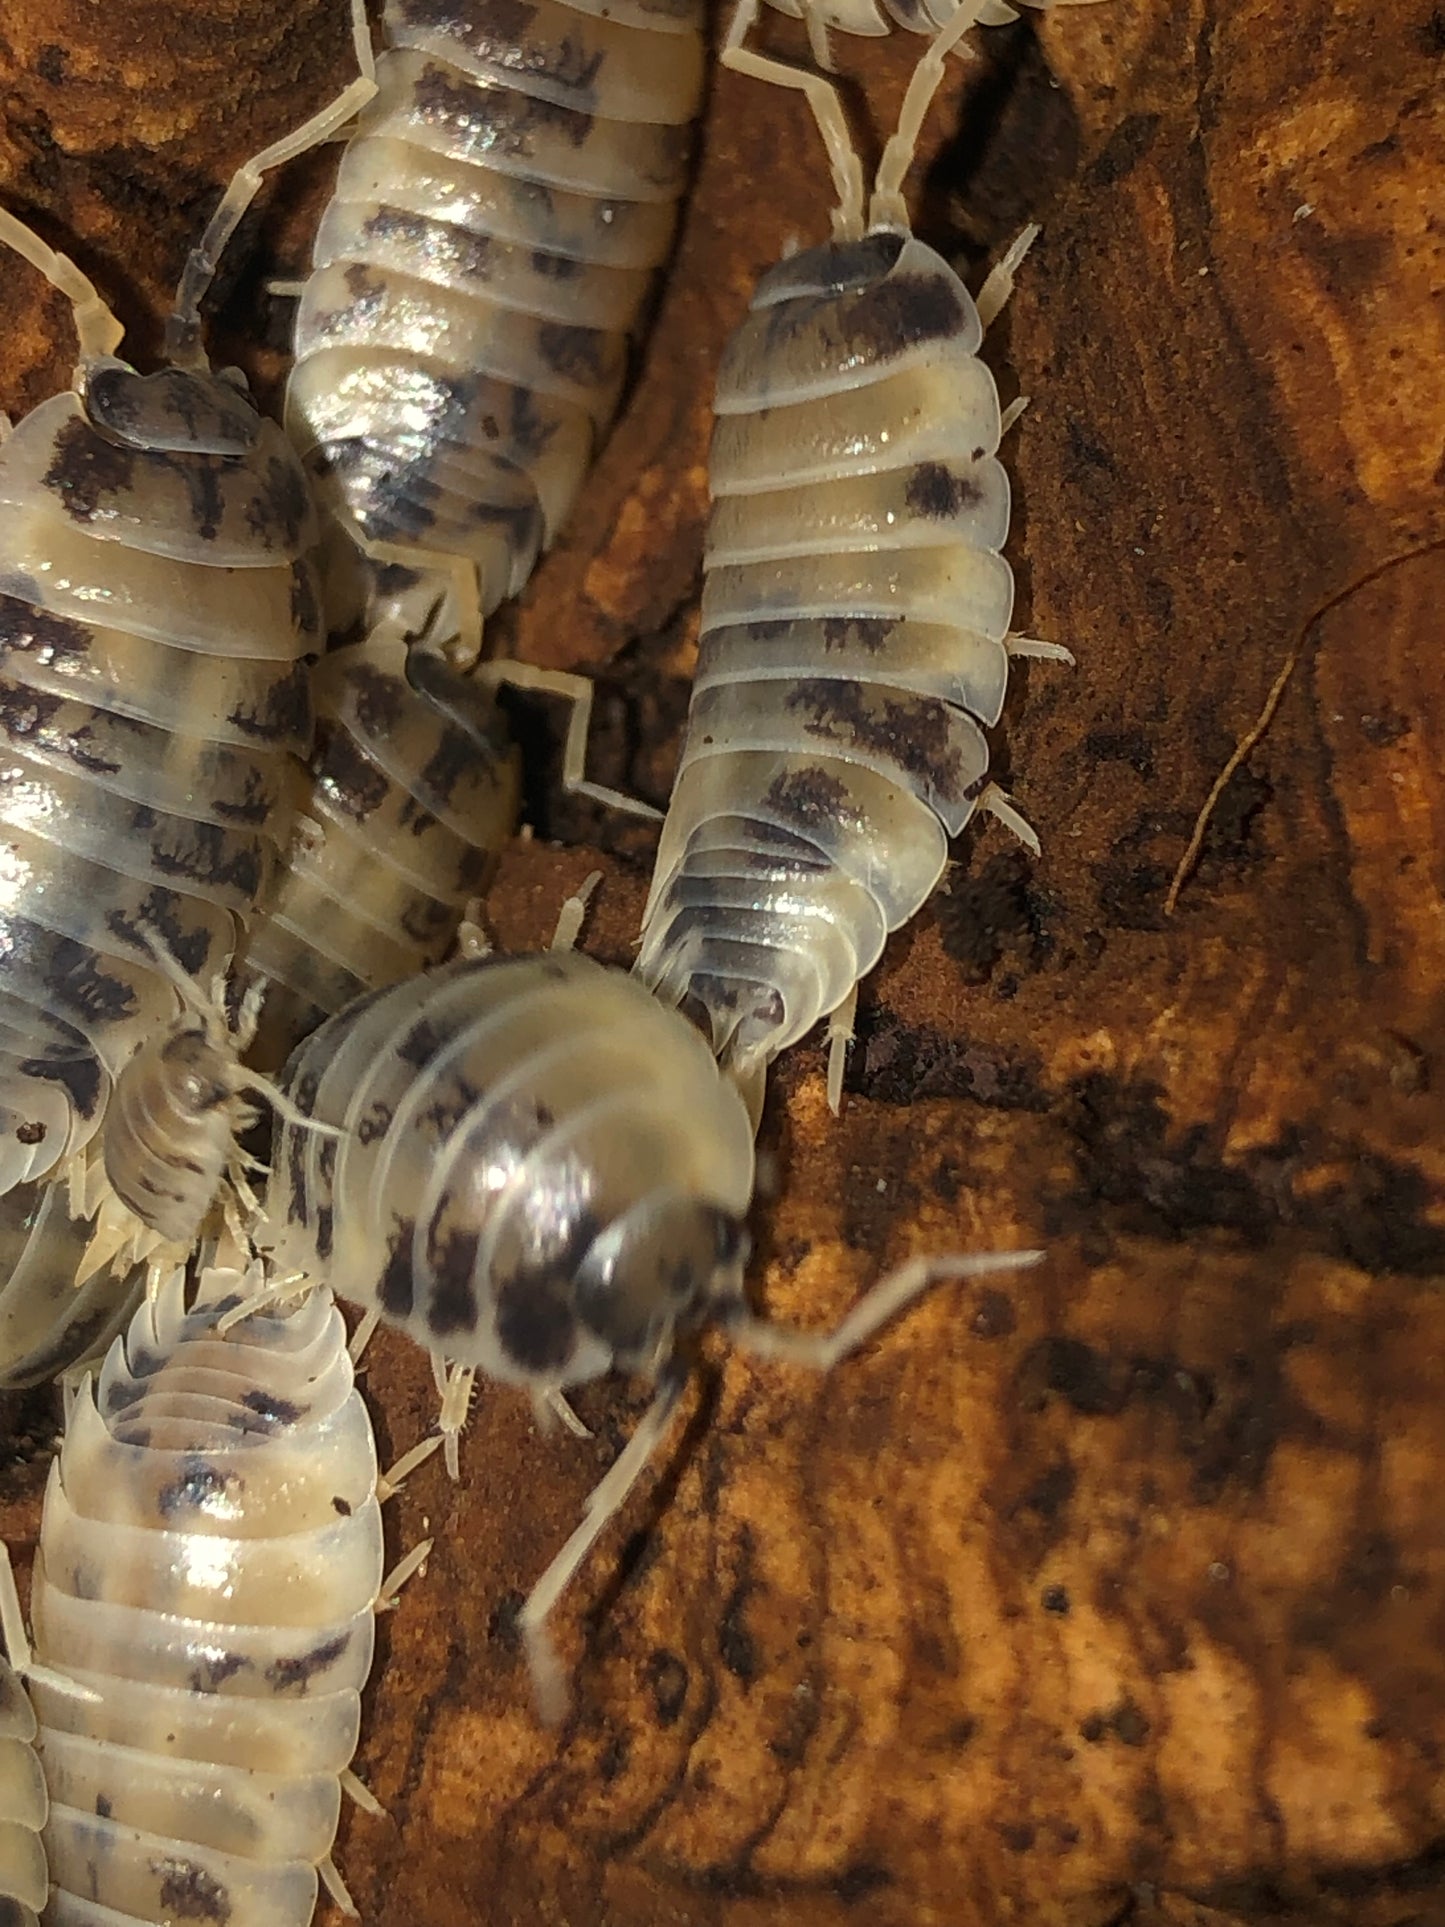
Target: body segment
{"type": "Point", "coordinates": [210, 1556]}
{"type": "Point", "coordinates": [463, 338]}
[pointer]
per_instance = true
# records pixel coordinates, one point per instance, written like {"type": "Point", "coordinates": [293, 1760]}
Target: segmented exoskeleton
{"type": "Point", "coordinates": [540, 1173]}
{"type": "Point", "coordinates": [855, 617]}
{"type": "Point", "coordinates": [869, 19]}
{"type": "Point", "coordinates": [157, 606]}
{"type": "Point", "coordinates": [414, 790]}
{"type": "Point", "coordinates": [24, 1882]}
{"type": "Point", "coordinates": [462, 340]}
{"type": "Point", "coordinates": [49, 1322]}
{"type": "Point", "coordinates": [209, 1562]}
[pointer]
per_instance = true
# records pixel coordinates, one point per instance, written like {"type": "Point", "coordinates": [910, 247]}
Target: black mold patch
{"type": "Point", "coordinates": [984, 913]}
{"type": "Point", "coordinates": [900, 1064]}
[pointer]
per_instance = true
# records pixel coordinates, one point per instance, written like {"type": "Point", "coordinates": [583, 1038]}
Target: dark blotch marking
{"type": "Point", "coordinates": [898, 314]}
{"type": "Point", "coordinates": [452, 1301]}
{"type": "Point", "coordinates": [535, 1322]}
{"type": "Point", "coordinates": [396, 1287]}
{"type": "Point", "coordinates": [374, 1124]}
{"type": "Point", "coordinates": [294, 1675]}
{"type": "Point", "coordinates": [283, 712]}
{"type": "Point", "coordinates": [86, 469]}
{"type": "Point", "coordinates": [421, 1043]}
{"type": "Point", "coordinates": [811, 797]}
{"type": "Point", "coordinates": [34, 631]}
{"type": "Point", "coordinates": [1055, 1599]}
{"type": "Point", "coordinates": [188, 1892]}
{"type": "Point", "coordinates": [194, 1486]}
{"type": "Point", "coordinates": [913, 732]}
{"type": "Point", "coordinates": [868, 632]}
{"type": "Point", "coordinates": [268, 1405]}
{"type": "Point", "coordinates": [215, 1669]}
{"type": "Point", "coordinates": [81, 1077]}
{"type": "Point", "coordinates": [341, 1506]}
{"type": "Point", "coordinates": [577, 354]}
{"type": "Point", "coordinates": [936, 492]}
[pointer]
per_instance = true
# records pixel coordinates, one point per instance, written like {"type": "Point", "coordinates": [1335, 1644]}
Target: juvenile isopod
{"type": "Point", "coordinates": [540, 1173]}
{"type": "Point", "coordinates": [157, 606]}
{"type": "Point", "coordinates": [209, 1563]}
{"type": "Point", "coordinates": [479, 280]}
{"type": "Point", "coordinates": [855, 638]}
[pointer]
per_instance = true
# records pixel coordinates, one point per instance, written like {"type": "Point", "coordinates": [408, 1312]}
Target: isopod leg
{"type": "Point", "coordinates": [573, 914]}
{"type": "Point", "coordinates": [999, 284]}
{"type": "Point", "coordinates": [97, 329]}
{"type": "Point", "coordinates": [840, 1036]}
{"type": "Point", "coordinates": [361, 1794]}
{"type": "Point", "coordinates": [821, 1351]}
{"type": "Point", "coordinates": [603, 1503]}
{"type": "Point", "coordinates": [390, 1482]}
{"type": "Point", "coordinates": [1012, 414]}
{"type": "Point", "coordinates": [333, 1883]}
{"type": "Point", "coordinates": [827, 112]}
{"type": "Point", "coordinates": [1001, 805]}
{"type": "Point", "coordinates": [1018, 645]}
{"type": "Point", "coordinates": [577, 691]}
{"type": "Point", "coordinates": [405, 1568]}
{"type": "Point", "coordinates": [549, 1406]}
{"type": "Point", "coordinates": [183, 329]}
{"type": "Point", "coordinates": [886, 206]}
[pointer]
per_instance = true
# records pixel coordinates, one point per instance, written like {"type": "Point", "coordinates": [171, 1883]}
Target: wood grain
{"type": "Point", "coordinates": [1116, 1592]}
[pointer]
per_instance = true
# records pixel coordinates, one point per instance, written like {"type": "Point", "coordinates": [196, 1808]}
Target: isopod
{"type": "Point", "coordinates": [209, 1562]}
{"type": "Point", "coordinates": [855, 637]}
{"type": "Point", "coordinates": [414, 790]}
{"type": "Point", "coordinates": [479, 278]}
{"type": "Point", "coordinates": [24, 1881]}
{"type": "Point", "coordinates": [868, 19]}
{"type": "Point", "coordinates": [540, 1173]}
{"type": "Point", "coordinates": [157, 607]}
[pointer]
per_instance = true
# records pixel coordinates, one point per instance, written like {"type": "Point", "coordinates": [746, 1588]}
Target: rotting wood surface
{"type": "Point", "coordinates": [1116, 1591]}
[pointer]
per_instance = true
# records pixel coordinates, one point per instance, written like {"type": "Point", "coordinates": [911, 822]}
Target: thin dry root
{"type": "Point", "coordinates": [1242, 751]}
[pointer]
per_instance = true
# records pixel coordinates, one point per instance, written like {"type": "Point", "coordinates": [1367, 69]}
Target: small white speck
{"type": "Point", "coordinates": [1138, 551]}
{"type": "Point", "coordinates": [1218, 1571]}
{"type": "Point", "coordinates": [882, 1185]}
{"type": "Point", "coordinates": [1304, 210]}
{"type": "Point", "coordinates": [1203, 271]}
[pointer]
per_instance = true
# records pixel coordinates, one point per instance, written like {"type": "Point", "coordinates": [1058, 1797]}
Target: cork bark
{"type": "Point", "coordinates": [1115, 1591]}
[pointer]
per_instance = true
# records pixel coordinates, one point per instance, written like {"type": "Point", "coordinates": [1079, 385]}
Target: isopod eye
{"type": "Point", "coordinates": [653, 1271]}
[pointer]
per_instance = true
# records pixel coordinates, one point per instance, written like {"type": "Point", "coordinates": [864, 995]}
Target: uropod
{"type": "Point", "coordinates": [209, 1565]}
{"type": "Point", "coordinates": [540, 1173]}
{"type": "Point", "coordinates": [480, 279]}
{"type": "Point", "coordinates": [157, 606]}
{"type": "Point", "coordinates": [855, 638]}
